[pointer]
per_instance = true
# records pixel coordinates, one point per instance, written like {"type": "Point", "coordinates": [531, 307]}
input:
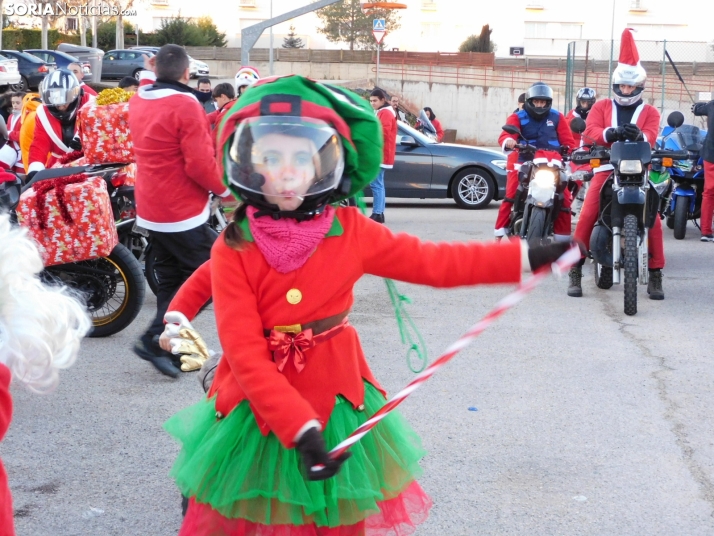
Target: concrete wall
{"type": "Point", "coordinates": [317, 71]}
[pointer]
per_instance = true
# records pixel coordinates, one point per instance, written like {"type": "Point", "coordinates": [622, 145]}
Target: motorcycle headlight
{"type": "Point", "coordinates": [499, 163]}
{"type": "Point", "coordinates": [542, 186]}
{"type": "Point", "coordinates": [630, 167]}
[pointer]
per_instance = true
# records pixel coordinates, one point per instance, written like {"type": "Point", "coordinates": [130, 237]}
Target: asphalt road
{"type": "Point", "coordinates": [566, 417]}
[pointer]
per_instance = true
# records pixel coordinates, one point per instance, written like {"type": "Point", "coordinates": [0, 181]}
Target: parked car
{"type": "Point", "coordinates": [32, 69]}
{"type": "Point", "coordinates": [425, 169]}
{"type": "Point", "coordinates": [60, 59]}
{"type": "Point", "coordinates": [9, 75]}
{"type": "Point", "coordinates": [121, 63]}
{"type": "Point", "coordinates": [196, 68]}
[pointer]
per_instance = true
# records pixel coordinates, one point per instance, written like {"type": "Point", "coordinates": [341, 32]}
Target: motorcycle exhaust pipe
{"type": "Point", "coordinates": [616, 255]}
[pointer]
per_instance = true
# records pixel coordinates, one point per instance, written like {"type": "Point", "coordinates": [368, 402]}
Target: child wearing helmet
{"type": "Point", "coordinates": [245, 77]}
{"type": "Point", "coordinates": [293, 380]}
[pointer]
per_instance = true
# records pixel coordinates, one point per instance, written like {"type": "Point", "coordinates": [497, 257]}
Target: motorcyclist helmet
{"type": "Point", "coordinates": [246, 77]}
{"type": "Point", "coordinates": [61, 94]}
{"type": "Point", "coordinates": [629, 72]}
{"type": "Point", "coordinates": [538, 91]}
{"type": "Point", "coordinates": [586, 95]}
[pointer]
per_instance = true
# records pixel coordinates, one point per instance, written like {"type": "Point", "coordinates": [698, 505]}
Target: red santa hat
{"type": "Point", "coordinates": [628, 49]}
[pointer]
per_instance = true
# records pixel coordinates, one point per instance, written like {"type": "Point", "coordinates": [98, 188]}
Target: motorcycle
{"type": "Point", "coordinates": [539, 198]}
{"type": "Point", "coordinates": [628, 207]}
{"type": "Point", "coordinates": [685, 201]}
{"type": "Point", "coordinates": [113, 287]}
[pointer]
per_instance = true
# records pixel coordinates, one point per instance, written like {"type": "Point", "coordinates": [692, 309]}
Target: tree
{"type": "Point", "coordinates": [345, 22]}
{"type": "Point", "coordinates": [479, 43]}
{"type": "Point", "coordinates": [291, 41]}
{"type": "Point", "coordinates": [210, 32]}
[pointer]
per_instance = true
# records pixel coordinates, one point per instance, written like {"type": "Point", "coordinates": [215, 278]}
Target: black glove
{"type": "Point", "coordinates": [614, 134]}
{"type": "Point", "coordinates": [29, 176]}
{"type": "Point", "coordinates": [632, 132]}
{"type": "Point", "coordinates": [75, 144]}
{"type": "Point", "coordinates": [540, 256]}
{"type": "Point", "coordinates": [311, 447]}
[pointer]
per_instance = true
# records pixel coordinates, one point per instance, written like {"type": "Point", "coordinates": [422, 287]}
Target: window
{"type": "Point", "coordinates": [71, 24]}
{"type": "Point", "coordinates": [430, 29]}
{"type": "Point", "coordinates": [638, 5]}
{"type": "Point", "coordinates": [536, 30]}
{"type": "Point", "coordinates": [571, 31]}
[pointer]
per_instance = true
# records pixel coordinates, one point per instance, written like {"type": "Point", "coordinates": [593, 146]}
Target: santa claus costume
{"type": "Point", "coordinates": [40, 331]}
{"type": "Point", "coordinates": [293, 380]}
{"type": "Point", "coordinates": [624, 117]}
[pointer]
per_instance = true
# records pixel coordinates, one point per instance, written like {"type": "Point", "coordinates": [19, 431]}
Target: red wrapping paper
{"type": "Point", "coordinates": [105, 133]}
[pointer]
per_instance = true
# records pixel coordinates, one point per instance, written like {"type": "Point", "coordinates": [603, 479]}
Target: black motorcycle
{"type": "Point", "coordinates": [629, 204]}
{"type": "Point", "coordinates": [540, 194]}
{"type": "Point", "coordinates": [113, 287]}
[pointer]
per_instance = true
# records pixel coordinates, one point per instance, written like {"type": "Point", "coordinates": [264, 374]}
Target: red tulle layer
{"type": "Point", "coordinates": [397, 517]}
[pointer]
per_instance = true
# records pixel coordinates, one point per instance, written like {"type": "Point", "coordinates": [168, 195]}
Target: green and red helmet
{"type": "Point", "coordinates": [294, 137]}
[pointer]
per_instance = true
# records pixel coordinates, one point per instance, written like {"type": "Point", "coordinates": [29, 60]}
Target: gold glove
{"type": "Point", "coordinates": [192, 348]}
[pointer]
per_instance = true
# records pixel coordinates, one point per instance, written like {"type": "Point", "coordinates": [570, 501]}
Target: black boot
{"type": "Point", "coordinates": [575, 275]}
{"type": "Point", "coordinates": [379, 218]}
{"type": "Point", "coordinates": [654, 287]}
{"type": "Point", "coordinates": [147, 348]}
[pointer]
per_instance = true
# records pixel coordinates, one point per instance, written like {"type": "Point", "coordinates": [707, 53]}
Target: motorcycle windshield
{"type": "Point", "coordinates": [690, 138]}
{"type": "Point", "coordinates": [426, 124]}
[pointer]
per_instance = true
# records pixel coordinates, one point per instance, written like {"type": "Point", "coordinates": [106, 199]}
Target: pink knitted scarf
{"type": "Point", "coordinates": [287, 243]}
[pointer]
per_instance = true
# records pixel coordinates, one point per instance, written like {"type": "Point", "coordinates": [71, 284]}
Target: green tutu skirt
{"type": "Point", "coordinates": [232, 467]}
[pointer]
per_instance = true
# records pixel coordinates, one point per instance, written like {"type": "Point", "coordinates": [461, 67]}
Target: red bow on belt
{"type": "Point", "coordinates": [286, 346]}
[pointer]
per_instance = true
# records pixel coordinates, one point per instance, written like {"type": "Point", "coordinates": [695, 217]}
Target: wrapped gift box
{"type": "Point", "coordinates": [70, 218]}
{"type": "Point", "coordinates": [104, 130]}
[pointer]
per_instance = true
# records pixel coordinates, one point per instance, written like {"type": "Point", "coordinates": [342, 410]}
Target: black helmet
{"type": "Point", "coordinates": [540, 91]}
{"type": "Point", "coordinates": [61, 88]}
{"type": "Point", "coordinates": [587, 95]}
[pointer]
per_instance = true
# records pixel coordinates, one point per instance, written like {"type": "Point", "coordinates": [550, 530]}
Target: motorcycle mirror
{"type": "Point", "coordinates": [577, 125]}
{"type": "Point", "coordinates": [511, 130]}
{"type": "Point", "coordinates": [675, 119]}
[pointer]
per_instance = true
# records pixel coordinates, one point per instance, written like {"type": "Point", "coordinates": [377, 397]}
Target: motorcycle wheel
{"type": "Point", "coordinates": [603, 276]}
{"type": "Point", "coordinates": [113, 288]}
{"type": "Point", "coordinates": [537, 233]}
{"type": "Point", "coordinates": [629, 231]}
{"type": "Point", "coordinates": [681, 209]}
{"type": "Point", "coordinates": [149, 270]}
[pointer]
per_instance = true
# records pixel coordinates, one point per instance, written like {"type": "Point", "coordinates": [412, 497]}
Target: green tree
{"type": "Point", "coordinates": [180, 31]}
{"type": "Point", "coordinates": [107, 33]}
{"type": "Point", "coordinates": [213, 37]}
{"type": "Point", "coordinates": [345, 22]}
{"type": "Point", "coordinates": [292, 40]}
{"type": "Point", "coordinates": [479, 43]}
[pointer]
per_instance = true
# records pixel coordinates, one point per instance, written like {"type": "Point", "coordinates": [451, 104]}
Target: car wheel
{"type": "Point", "coordinates": [22, 85]}
{"type": "Point", "coordinates": [473, 188]}
{"type": "Point", "coordinates": [136, 72]}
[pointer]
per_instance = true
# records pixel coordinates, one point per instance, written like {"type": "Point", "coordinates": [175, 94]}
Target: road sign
{"type": "Point", "coordinates": [379, 36]}
{"type": "Point", "coordinates": [379, 25]}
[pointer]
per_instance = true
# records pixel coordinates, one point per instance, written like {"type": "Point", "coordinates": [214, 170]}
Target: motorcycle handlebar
{"type": "Point", "coordinates": [674, 155]}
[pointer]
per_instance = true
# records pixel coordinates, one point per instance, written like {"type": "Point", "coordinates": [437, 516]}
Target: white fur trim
{"type": "Point", "coordinates": [500, 232]}
{"type": "Point", "coordinates": [146, 92]}
{"type": "Point", "coordinates": [42, 116]}
{"type": "Point", "coordinates": [35, 166]}
{"type": "Point", "coordinates": [146, 75]}
{"type": "Point", "coordinates": [305, 427]}
{"type": "Point", "coordinates": [176, 227]}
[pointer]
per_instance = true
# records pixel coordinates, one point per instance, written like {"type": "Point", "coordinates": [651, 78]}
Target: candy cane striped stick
{"type": "Point", "coordinates": [562, 265]}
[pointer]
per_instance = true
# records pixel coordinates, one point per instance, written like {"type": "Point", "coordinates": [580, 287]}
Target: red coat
{"type": "Point", "coordinates": [6, 524]}
{"type": "Point", "coordinates": [388, 117]}
{"type": "Point", "coordinates": [214, 118]}
{"type": "Point", "coordinates": [194, 293]}
{"type": "Point", "coordinates": [250, 296]}
{"type": "Point", "coordinates": [439, 129]}
{"type": "Point", "coordinates": [13, 127]}
{"type": "Point", "coordinates": [176, 166]}
{"type": "Point", "coordinates": [602, 117]}
{"type": "Point", "coordinates": [88, 90]}
{"type": "Point", "coordinates": [565, 136]}
{"type": "Point", "coordinates": [47, 139]}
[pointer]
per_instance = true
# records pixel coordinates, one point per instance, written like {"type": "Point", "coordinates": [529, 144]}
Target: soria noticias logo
{"type": "Point", "coordinates": [58, 9]}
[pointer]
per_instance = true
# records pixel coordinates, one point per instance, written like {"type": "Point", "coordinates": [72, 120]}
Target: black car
{"type": "Point", "coordinates": [425, 169]}
{"type": "Point", "coordinates": [32, 69]}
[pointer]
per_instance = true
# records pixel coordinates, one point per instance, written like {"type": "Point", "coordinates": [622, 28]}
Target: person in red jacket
{"type": "Point", "coordinates": [77, 70]}
{"type": "Point", "coordinates": [546, 129]}
{"type": "Point", "coordinates": [55, 123]}
{"type": "Point", "coordinates": [293, 379]}
{"type": "Point", "coordinates": [624, 117]}
{"type": "Point", "coordinates": [176, 172]}
{"type": "Point", "coordinates": [10, 154]}
{"type": "Point", "coordinates": [388, 119]}
{"type": "Point", "coordinates": [585, 99]}
{"type": "Point", "coordinates": [224, 96]}
{"type": "Point", "coordinates": [436, 123]}
{"type": "Point", "coordinates": [40, 331]}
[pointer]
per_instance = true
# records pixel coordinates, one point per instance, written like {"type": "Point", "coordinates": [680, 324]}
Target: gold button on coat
{"type": "Point", "coordinates": [294, 296]}
{"type": "Point", "coordinates": [360, 407]}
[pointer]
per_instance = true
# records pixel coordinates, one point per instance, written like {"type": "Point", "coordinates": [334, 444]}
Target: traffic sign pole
{"type": "Point", "coordinates": [379, 29]}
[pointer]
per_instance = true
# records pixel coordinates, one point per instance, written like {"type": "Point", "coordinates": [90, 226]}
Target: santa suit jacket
{"type": "Point", "coordinates": [603, 116]}
{"type": "Point", "coordinates": [13, 127]}
{"type": "Point", "coordinates": [388, 118]}
{"type": "Point", "coordinates": [47, 145]}
{"type": "Point", "coordinates": [250, 297]}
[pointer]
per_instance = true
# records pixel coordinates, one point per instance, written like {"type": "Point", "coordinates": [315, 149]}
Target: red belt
{"type": "Point", "coordinates": [291, 342]}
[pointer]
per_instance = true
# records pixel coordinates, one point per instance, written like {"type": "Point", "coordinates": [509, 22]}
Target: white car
{"type": "Point", "coordinates": [9, 74]}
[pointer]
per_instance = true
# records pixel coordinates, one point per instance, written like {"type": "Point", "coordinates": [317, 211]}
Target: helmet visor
{"type": "Point", "coordinates": [285, 157]}
{"type": "Point", "coordinates": [539, 91]}
{"type": "Point", "coordinates": [59, 96]}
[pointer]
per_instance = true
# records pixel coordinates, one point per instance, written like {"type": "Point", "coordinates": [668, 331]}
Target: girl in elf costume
{"type": "Point", "coordinates": [293, 380]}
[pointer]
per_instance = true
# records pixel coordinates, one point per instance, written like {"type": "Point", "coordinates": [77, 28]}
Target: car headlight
{"type": "Point", "coordinates": [630, 167]}
{"type": "Point", "coordinates": [542, 186]}
{"type": "Point", "coordinates": [500, 163]}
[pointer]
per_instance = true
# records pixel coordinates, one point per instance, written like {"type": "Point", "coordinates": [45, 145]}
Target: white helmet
{"type": "Point", "coordinates": [628, 72]}
{"type": "Point", "coordinates": [247, 76]}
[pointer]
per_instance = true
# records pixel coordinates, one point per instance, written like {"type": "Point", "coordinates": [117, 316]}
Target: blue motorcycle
{"type": "Point", "coordinates": [685, 202]}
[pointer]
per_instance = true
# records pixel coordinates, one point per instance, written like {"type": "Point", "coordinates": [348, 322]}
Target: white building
{"type": "Point", "coordinates": [541, 27]}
